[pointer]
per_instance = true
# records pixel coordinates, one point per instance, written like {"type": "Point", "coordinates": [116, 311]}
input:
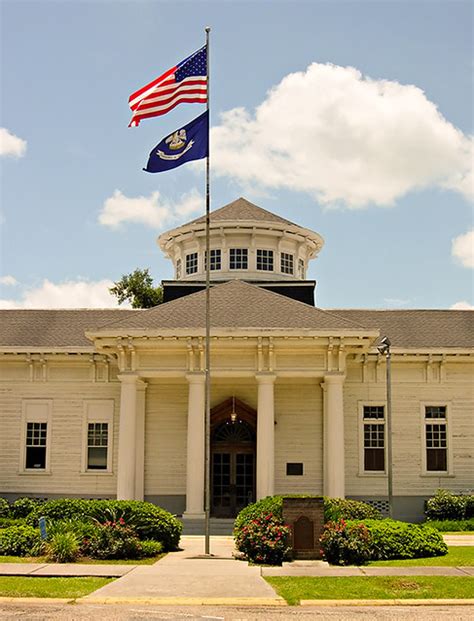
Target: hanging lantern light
{"type": "Point", "coordinates": [233, 414]}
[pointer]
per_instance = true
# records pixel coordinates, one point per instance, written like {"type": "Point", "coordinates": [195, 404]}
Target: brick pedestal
{"type": "Point", "coordinates": [305, 516]}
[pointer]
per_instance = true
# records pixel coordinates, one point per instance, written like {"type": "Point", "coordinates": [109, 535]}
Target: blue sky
{"type": "Point", "coordinates": [379, 168]}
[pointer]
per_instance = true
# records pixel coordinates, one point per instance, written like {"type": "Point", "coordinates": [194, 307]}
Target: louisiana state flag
{"type": "Point", "coordinates": [188, 143]}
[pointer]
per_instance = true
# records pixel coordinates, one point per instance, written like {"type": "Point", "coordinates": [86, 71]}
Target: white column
{"type": "Point", "coordinates": [127, 435]}
{"type": "Point", "coordinates": [333, 448]}
{"type": "Point", "coordinates": [140, 442]}
{"type": "Point", "coordinates": [265, 435]}
{"type": "Point", "coordinates": [195, 446]}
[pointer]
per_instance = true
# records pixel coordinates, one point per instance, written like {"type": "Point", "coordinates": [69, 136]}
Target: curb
{"type": "Point", "coordinates": [386, 602]}
{"type": "Point", "coordinates": [186, 601]}
{"type": "Point", "coordinates": [37, 600]}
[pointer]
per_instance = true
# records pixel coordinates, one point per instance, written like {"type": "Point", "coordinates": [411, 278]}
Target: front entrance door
{"type": "Point", "coordinates": [233, 468]}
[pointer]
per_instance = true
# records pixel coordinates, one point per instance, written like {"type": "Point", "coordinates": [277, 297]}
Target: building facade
{"type": "Point", "coordinates": [110, 403]}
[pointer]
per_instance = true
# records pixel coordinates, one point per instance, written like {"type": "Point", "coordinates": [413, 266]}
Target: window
{"type": "Point", "coordinates": [265, 260]}
{"type": "Point", "coordinates": [178, 268]}
{"type": "Point", "coordinates": [301, 268]}
{"type": "Point", "coordinates": [192, 263]}
{"type": "Point", "coordinates": [238, 259]}
{"type": "Point", "coordinates": [215, 260]}
{"type": "Point", "coordinates": [373, 438]}
{"type": "Point", "coordinates": [97, 445]}
{"type": "Point", "coordinates": [36, 435]}
{"type": "Point", "coordinates": [97, 436]}
{"type": "Point", "coordinates": [286, 263]}
{"type": "Point", "coordinates": [436, 438]}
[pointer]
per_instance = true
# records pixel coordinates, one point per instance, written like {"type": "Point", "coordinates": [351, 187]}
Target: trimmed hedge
{"type": "Point", "coordinates": [448, 506]}
{"type": "Point", "coordinates": [334, 509]}
{"type": "Point", "coordinates": [148, 520]}
{"type": "Point", "coordinates": [4, 508]}
{"type": "Point", "coordinates": [445, 526]}
{"type": "Point", "coordinates": [344, 543]}
{"type": "Point", "coordinates": [22, 507]}
{"type": "Point", "coordinates": [391, 539]}
{"type": "Point", "coordinates": [19, 541]}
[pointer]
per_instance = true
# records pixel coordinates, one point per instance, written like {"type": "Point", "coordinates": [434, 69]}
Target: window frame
{"type": "Point", "coordinates": [186, 268]}
{"type": "Point", "coordinates": [217, 254]}
{"type": "Point", "coordinates": [270, 253]}
{"type": "Point", "coordinates": [43, 414]}
{"type": "Point", "coordinates": [105, 414]}
{"type": "Point", "coordinates": [449, 441]}
{"type": "Point", "coordinates": [179, 268]}
{"type": "Point", "coordinates": [362, 421]}
{"type": "Point", "coordinates": [301, 268]}
{"type": "Point", "coordinates": [246, 255]}
{"type": "Point", "coordinates": [286, 255]}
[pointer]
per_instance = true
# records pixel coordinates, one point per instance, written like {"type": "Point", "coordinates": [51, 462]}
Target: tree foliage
{"type": "Point", "coordinates": [138, 289]}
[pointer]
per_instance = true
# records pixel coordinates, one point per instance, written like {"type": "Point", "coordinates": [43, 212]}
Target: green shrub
{"type": "Point", "coordinates": [343, 543]}
{"type": "Point", "coordinates": [19, 541]}
{"type": "Point", "coordinates": [264, 540]}
{"type": "Point", "coordinates": [268, 505]}
{"type": "Point", "coordinates": [22, 507]}
{"type": "Point", "coordinates": [6, 522]}
{"type": "Point", "coordinates": [150, 548]}
{"type": "Point", "coordinates": [445, 526]}
{"type": "Point", "coordinates": [63, 547]}
{"type": "Point", "coordinates": [391, 540]}
{"type": "Point", "coordinates": [4, 508]}
{"type": "Point", "coordinates": [448, 506]}
{"type": "Point", "coordinates": [113, 540]}
{"type": "Point", "coordinates": [344, 509]}
{"type": "Point", "coordinates": [148, 520]}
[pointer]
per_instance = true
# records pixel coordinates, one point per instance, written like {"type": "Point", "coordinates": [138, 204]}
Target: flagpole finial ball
{"type": "Point", "coordinates": [207, 29]}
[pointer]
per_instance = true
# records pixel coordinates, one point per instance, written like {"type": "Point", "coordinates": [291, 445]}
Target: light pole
{"type": "Point", "coordinates": [384, 349]}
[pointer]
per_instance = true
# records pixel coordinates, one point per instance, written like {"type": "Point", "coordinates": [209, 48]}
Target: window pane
{"type": "Point", "coordinates": [192, 263]}
{"type": "Point", "coordinates": [238, 258]}
{"type": "Point", "coordinates": [265, 260]}
{"type": "Point", "coordinates": [435, 411]}
{"type": "Point", "coordinates": [97, 458]}
{"type": "Point", "coordinates": [286, 263]}
{"type": "Point", "coordinates": [374, 459]}
{"type": "Point", "coordinates": [215, 260]}
{"type": "Point", "coordinates": [178, 269]}
{"type": "Point", "coordinates": [36, 457]}
{"type": "Point", "coordinates": [374, 411]}
{"type": "Point", "coordinates": [301, 268]}
{"type": "Point", "coordinates": [436, 460]}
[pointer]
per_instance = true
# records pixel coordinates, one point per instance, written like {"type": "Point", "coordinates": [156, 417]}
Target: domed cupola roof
{"type": "Point", "coordinates": [246, 241]}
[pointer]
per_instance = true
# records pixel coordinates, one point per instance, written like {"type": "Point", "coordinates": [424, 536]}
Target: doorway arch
{"type": "Point", "coordinates": [233, 444]}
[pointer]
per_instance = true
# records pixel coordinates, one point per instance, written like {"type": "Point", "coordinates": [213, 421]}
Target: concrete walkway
{"type": "Point", "coordinates": [64, 570]}
{"type": "Point", "coordinates": [186, 577]}
{"type": "Point", "coordinates": [459, 540]}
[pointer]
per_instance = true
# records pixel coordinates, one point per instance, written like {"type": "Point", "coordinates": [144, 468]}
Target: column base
{"type": "Point", "coordinates": [193, 516]}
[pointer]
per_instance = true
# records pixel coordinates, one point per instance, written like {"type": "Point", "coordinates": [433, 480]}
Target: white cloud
{"type": "Point", "coordinates": [463, 248]}
{"type": "Point", "coordinates": [68, 294]}
{"type": "Point", "coordinates": [395, 302]}
{"type": "Point", "coordinates": [342, 137]}
{"type": "Point", "coordinates": [11, 144]}
{"type": "Point", "coordinates": [462, 306]}
{"type": "Point", "coordinates": [8, 281]}
{"type": "Point", "coordinates": [153, 211]}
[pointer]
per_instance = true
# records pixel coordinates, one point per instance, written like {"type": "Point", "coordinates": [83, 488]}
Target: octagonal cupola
{"type": "Point", "coordinates": [246, 242]}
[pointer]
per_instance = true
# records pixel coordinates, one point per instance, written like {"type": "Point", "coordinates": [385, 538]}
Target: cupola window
{"type": "Point", "coordinates": [238, 259]}
{"type": "Point", "coordinates": [286, 263]}
{"type": "Point", "coordinates": [192, 263]}
{"type": "Point", "coordinates": [178, 268]}
{"type": "Point", "coordinates": [301, 268]}
{"type": "Point", "coordinates": [215, 260]}
{"type": "Point", "coordinates": [265, 260]}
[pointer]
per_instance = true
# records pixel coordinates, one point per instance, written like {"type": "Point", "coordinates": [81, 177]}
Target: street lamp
{"type": "Point", "coordinates": [384, 349]}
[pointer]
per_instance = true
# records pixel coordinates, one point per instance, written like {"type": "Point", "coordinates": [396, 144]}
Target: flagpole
{"type": "Point", "coordinates": [207, 398]}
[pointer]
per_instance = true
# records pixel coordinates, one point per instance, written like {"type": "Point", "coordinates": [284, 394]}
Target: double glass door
{"type": "Point", "coordinates": [233, 480]}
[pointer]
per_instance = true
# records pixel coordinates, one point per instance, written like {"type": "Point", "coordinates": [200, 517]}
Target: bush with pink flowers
{"type": "Point", "coordinates": [346, 544]}
{"type": "Point", "coordinates": [264, 540]}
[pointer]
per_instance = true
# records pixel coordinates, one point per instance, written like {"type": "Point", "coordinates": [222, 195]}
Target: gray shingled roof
{"type": "Point", "coordinates": [235, 304]}
{"type": "Point", "coordinates": [53, 328]}
{"type": "Point", "coordinates": [418, 328]}
{"type": "Point", "coordinates": [242, 209]}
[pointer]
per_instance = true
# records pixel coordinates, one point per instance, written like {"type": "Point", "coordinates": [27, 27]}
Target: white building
{"type": "Point", "coordinates": [105, 403]}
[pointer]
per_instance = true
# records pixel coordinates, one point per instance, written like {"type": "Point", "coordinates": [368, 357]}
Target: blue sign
{"type": "Point", "coordinates": [42, 527]}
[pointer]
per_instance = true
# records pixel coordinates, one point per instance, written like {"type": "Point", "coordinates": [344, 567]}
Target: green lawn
{"type": "Point", "coordinates": [14, 586]}
{"type": "Point", "coordinates": [84, 560]}
{"type": "Point", "coordinates": [456, 556]}
{"type": "Point", "coordinates": [374, 587]}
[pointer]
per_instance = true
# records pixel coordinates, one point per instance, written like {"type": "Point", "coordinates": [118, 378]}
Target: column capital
{"type": "Point", "coordinates": [197, 377]}
{"type": "Point", "coordinates": [265, 378]}
{"type": "Point", "coordinates": [128, 378]}
{"type": "Point", "coordinates": [333, 378]}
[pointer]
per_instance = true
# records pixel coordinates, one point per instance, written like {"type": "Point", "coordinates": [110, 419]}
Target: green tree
{"type": "Point", "coordinates": [138, 289]}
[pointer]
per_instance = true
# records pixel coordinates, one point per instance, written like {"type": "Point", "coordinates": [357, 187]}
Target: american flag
{"type": "Point", "coordinates": [185, 83]}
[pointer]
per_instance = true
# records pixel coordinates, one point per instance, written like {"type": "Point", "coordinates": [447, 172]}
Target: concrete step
{"type": "Point", "coordinates": [218, 526]}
